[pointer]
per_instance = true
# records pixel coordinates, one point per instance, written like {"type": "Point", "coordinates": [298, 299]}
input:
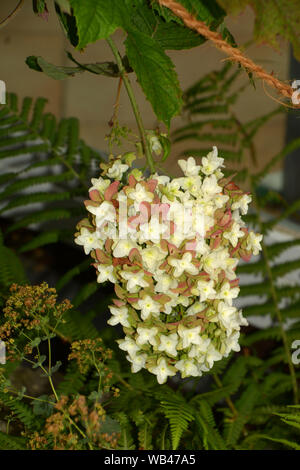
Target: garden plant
{"type": "Point", "coordinates": [141, 342]}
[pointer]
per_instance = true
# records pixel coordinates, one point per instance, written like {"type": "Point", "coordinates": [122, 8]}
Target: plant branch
{"type": "Point", "coordinates": [134, 105]}
{"type": "Point", "coordinates": [228, 399]}
{"type": "Point", "coordinates": [12, 14]}
{"type": "Point", "coordinates": [75, 173]}
{"type": "Point", "coordinates": [113, 119]}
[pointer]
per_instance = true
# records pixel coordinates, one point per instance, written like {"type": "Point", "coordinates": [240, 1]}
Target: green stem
{"type": "Point", "coordinates": [49, 369]}
{"type": "Point", "coordinates": [134, 105]}
{"type": "Point", "coordinates": [15, 392]}
{"type": "Point", "coordinates": [80, 431]}
{"type": "Point", "coordinates": [75, 173]}
{"type": "Point", "coordinates": [228, 399]}
{"type": "Point", "coordinates": [246, 135]}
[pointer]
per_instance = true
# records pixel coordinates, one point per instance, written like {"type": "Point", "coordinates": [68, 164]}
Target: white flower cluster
{"type": "Point", "coordinates": [175, 282]}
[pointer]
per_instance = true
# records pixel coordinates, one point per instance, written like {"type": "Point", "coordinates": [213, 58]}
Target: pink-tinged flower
{"type": "Point", "coordinates": [132, 181]}
{"type": "Point", "coordinates": [151, 185]}
{"type": "Point", "coordinates": [226, 219]}
{"type": "Point", "coordinates": [111, 190]}
{"type": "Point", "coordinates": [102, 257]}
{"type": "Point", "coordinates": [95, 195]}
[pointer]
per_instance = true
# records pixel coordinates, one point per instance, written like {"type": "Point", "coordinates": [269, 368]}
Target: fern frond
{"type": "Point", "coordinates": [8, 442]}
{"type": "Point", "coordinates": [126, 442]}
{"type": "Point", "coordinates": [244, 405]}
{"type": "Point", "coordinates": [72, 382]}
{"type": "Point", "coordinates": [179, 414]}
{"type": "Point", "coordinates": [284, 442]}
{"type": "Point", "coordinates": [85, 292]}
{"type": "Point", "coordinates": [145, 436]}
{"type": "Point", "coordinates": [211, 436]}
{"type": "Point", "coordinates": [70, 275]}
{"type": "Point", "coordinates": [79, 326]}
{"type": "Point", "coordinates": [11, 268]}
{"type": "Point", "coordinates": [21, 410]}
{"type": "Point", "coordinates": [51, 166]}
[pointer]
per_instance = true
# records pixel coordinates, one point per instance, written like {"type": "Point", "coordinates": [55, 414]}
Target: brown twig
{"type": "Point", "coordinates": [233, 52]}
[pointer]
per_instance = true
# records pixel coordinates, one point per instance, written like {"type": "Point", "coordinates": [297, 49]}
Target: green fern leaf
{"type": "Point", "coordinates": [179, 414]}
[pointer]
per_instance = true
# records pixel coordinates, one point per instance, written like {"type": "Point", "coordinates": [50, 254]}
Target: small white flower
{"type": "Point", "coordinates": [152, 257]}
{"type": "Point", "coordinates": [176, 238]}
{"type": "Point", "coordinates": [206, 290]}
{"type": "Point", "coordinates": [220, 200]}
{"type": "Point", "coordinates": [229, 317]}
{"type": "Point", "coordinates": [191, 184]}
{"type": "Point", "coordinates": [173, 188]}
{"type": "Point", "coordinates": [146, 335]}
{"type": "Point", "coordinates": [189, 335]}
{"type": "Point", "coordinates": [183, 264]}
{"type": "Point", "coordinates": [161, 179]}
{"type": "Point", "coordinates": [117, 170]}
{"type": "Point", "coordinates": [168, 306]}
{"type": "Point", "coordinates": [140, 194]}
{"type": "Point", "coordinates": [106, 273]}
{"type": "Point", "coordinates": [168, 344]}
{"type": "Point", "coordinates": [162, 370]}
{"type": "Point", "coordinates": [228, 293]}
{"type": "Point", "coordinates": [253, 242]}
{"type": "Point", "coordinates": [135, 280]}
{"type": "Point", "coordinates": [138, 361]}
{"type": "Point", "coordinates": [200, 349]}
{"type": "Point", "coordinates": [152, 231]}
{"type": "Point", "coordinates": [119, 315]}
{"type": "Point", "coordinates": [129, 345]}
{"type": "Point", "coordinates": [210, 187]}
{"type": "Point", "coordinates": [234, 234]}
{"type": "Point", "coordinates": [100, 184]}
{"type": "Point", "coordinates": [123, 247]}
{"type": "Point", "coordinates": [237, 218]}
{"type": "Point", "coordinates": [107, 230]}
{"type": "Point", "coordinates": [242, 204]}
{"type": "Point", "coordinates": [183, 300]}
{"type": "Point", "coordinates": [148, 306]}
{"type": "Point", "coordinates": [212, 262]}
{"type": "Point", "coordinates": [196, 307]}
{"type": "Point", "coordinates": [232, 343]}
{"type": "Point", "coordinates": [189, 167]}
{"type": "Point", "coordinates": [187, 368]}
{"type": "Point", "coordinates": [212, 355]}
{"type": "Point", "coordinates": [200, 247]}
{"type": "Point", "coordinates": [176, 211]}
{"type": "Point", "coordinates": [165, 283]}
{"type": "Point", "coordinates": [89, 240]}
{"type": "Point", "coordinates": [154, 143]}
{"type": "Point", "coordinates": [105, 212]}
{"type": "Point", "coordinates": [211, 162]}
